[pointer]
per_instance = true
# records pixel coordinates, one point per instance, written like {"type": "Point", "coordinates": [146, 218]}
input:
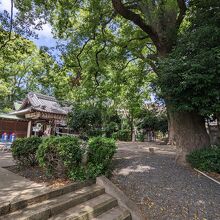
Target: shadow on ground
{"type": "Point", "coordinates": [162, 188]}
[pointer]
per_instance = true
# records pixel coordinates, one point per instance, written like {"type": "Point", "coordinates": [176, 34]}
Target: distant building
{"type": "Point", "coordinates": [41, 114]}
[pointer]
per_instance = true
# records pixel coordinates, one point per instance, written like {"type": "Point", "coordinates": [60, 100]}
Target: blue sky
{"type": "Point", "coordinates": [45, 36]}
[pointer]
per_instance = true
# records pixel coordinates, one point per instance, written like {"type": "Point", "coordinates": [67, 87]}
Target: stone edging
{"type": "Point", "coordinates": [123, 200]}
{"type": "Point", "coordinates": [214, 180]}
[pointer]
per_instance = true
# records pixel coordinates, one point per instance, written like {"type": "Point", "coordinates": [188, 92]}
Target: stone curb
{"type": "Point", "coordinates": [123, 200]}
{"type": "Point", "coordinates": [214, 180]}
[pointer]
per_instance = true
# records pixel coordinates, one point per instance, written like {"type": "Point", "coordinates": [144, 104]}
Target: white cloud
{"type": "Point", "coordinates": [46, 31]}
{"type": "Point", "coordinates": [46, 28]}
{"type": "Point", "coordinates": [45, 34]}
{"type": "Point", "coordinates": [6, 5]}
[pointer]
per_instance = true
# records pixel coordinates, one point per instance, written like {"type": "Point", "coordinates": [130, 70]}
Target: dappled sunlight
{"type": "Point", "coordinates": [139, 169]}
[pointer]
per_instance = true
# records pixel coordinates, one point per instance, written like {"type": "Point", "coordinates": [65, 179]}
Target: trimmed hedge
{"type": "Point", "coordinates": [60, 155]}
{"type": "Point", "coordinates": [207, 159]}
{"type": "Point", "coordinates": [101, 150]}
{"type": "Point", "coordinates": [63, 156]}
{"type": "Point", "coordinates": [100, 153]}
{"type": "Point", "coordinates": [24, 151]}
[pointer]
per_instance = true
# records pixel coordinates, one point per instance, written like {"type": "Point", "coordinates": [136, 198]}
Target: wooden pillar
{"type": "Point", "coordinates": [29, 128]}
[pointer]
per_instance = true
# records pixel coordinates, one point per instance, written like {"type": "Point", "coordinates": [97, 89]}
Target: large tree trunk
{"type": "Point", "coordinates": [171, 131]}
{"type": "Point", "coordinates": [189, 132]}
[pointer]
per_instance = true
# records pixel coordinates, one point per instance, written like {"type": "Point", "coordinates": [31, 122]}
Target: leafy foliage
{"type": "Point", "coordinates": [59, 155]}
{"type": "Point", "coordinates": [27, 69]}
{"type": "Point", "coordinates": [24, 151]}
{"type": "Point", "coordinates": [86, 120]}
{"type": "Point", "coordinates": [153, 120]}
{"type": "Point", "coordinates": [112, 46]}
{"type": "Point", "coordinates": [190, 75]}
{"type": "Point", "coordinates": [207, 159]}
{"type": "Point", "coordinates": [122, 135]}
{"type": "Point", "coordinates": [100, 151]}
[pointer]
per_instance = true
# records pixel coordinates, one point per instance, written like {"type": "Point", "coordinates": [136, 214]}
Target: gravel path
{"type": "Point", "coordinates": [161, 188]}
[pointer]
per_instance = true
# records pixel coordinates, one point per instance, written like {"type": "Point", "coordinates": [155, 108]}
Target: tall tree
{"type": "Point", "coordinates": [191, 70]}
{"type": "Point", "coordinates": [118, 31]}
{"type": "Point", "coordinates": [23, 68]}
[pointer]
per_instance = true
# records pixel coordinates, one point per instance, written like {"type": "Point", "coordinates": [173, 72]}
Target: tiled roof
{"type": "Point", "coordinates": [42, 103]}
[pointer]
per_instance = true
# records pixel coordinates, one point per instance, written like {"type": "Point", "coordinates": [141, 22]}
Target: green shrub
{"type": "Point", "coordinates": [207, 159]}
{"type": "Point", "coordinates": [140, 137]}
{"type": "Point", "coordinates": [100, 151]}
{"type": "Point", "coordinates": [122, 135]}
{"type": "Point", "coordinates": [110, 129]}
{"type": "Point", "coordinates": [90, 171]}
{"type": "Point", "coordinates": [24, 150]}
{"type": "Point", "coordinates": [60, 155]}
{"type": "Point", "coordinates": [94, 132]}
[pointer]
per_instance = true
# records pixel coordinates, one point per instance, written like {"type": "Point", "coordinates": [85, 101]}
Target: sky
{"type": "Point", "coordinates": [45, 36]}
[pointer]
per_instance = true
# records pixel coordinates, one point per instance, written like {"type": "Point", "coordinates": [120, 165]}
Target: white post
{"type": "Point", "coordinates": [29, 129]}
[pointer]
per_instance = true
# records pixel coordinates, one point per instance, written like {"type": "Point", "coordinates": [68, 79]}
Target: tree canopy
{"type": "Point", "coordinates": [23, 68]}
{"type": "Point", "coordinates": [192, 69]}
{"type": "Point", "coordinates": [111, 51]}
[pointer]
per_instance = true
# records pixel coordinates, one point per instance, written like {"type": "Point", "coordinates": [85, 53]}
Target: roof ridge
{"type": "Point", "coordinates": [46, 97]}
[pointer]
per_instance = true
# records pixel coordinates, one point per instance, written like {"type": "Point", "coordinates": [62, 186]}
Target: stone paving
{"type": "Point", "coordinates": [161, 188]}
{"type": "Point", "coordinates": [14, 187]}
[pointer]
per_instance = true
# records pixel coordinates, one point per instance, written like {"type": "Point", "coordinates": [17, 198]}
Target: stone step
{"type": "Point", "coordinates": [117, 213]}
{"type": "Point", "coordinates": [89, 209]}
{"type": "Point", "coordinates": [54, 206]}
{"type": "Point", "coordinates": [33, 197]}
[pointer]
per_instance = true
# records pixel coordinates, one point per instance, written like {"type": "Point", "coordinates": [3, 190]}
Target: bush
{"type": "Point", "coordinates": [85, 120]}
{"type": "Point", "coordinates": [24, 151]}
{"type": "Point", "coordinates": [60, 155]}
{"type": "Point", "coordinates": [207, 159]}
{"type": "Point", "coordinates": [122, 135]}
{"type": "Point", "coordinates": [110, 128]}
{"type": "Point", "coordinates": [140, 137]}
{"type": "Point", "coordinates": [100, 151]}
{"type": "Point", "coordinates": [91, 171]}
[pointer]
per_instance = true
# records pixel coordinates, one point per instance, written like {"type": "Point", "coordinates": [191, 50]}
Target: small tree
{"type": "Point", "coordinates": [152, 120]}
{"type": "Point", "coordinates": [86, 120]}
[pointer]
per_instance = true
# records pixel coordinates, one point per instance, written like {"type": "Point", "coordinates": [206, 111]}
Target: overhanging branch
{"type": "Point", "coordinates": [124, 11]}
{"type": "Point", "coordinates": [11, 25]}
{"type": "Point", "coordinates": [182, 13]}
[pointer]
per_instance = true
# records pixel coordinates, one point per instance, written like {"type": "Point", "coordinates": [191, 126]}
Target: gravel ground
{"type": "Point", "coordinates": [161, 188]}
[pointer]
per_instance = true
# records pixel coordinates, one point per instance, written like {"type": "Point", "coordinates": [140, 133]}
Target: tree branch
{"type": "Point", "coordinates": [182, 13]}
{"type": "Point", "coordinates": [133, 39]}
{"type": "Point", "coordinates": [80, 52]}
{"type": "Point", "coordinates": [11, 25]}
{"type": "Point", "coordinates": [136, 19]}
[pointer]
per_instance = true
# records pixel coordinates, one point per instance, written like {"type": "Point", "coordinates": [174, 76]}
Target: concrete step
{"type": "Point", "coordinates": [29, 197]}
{"type": "Point", "coordinates": [54, 206]}
{"type": "Point", "coordinates": [89, 209]}
{"type": "Point", "coordinates": [117, 213]}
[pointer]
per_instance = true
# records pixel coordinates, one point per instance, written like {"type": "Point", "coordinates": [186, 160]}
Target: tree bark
{"type": "Point", "coordinates": [189, 133]}
{"type": "Point", "coordinates": [171, 131]}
